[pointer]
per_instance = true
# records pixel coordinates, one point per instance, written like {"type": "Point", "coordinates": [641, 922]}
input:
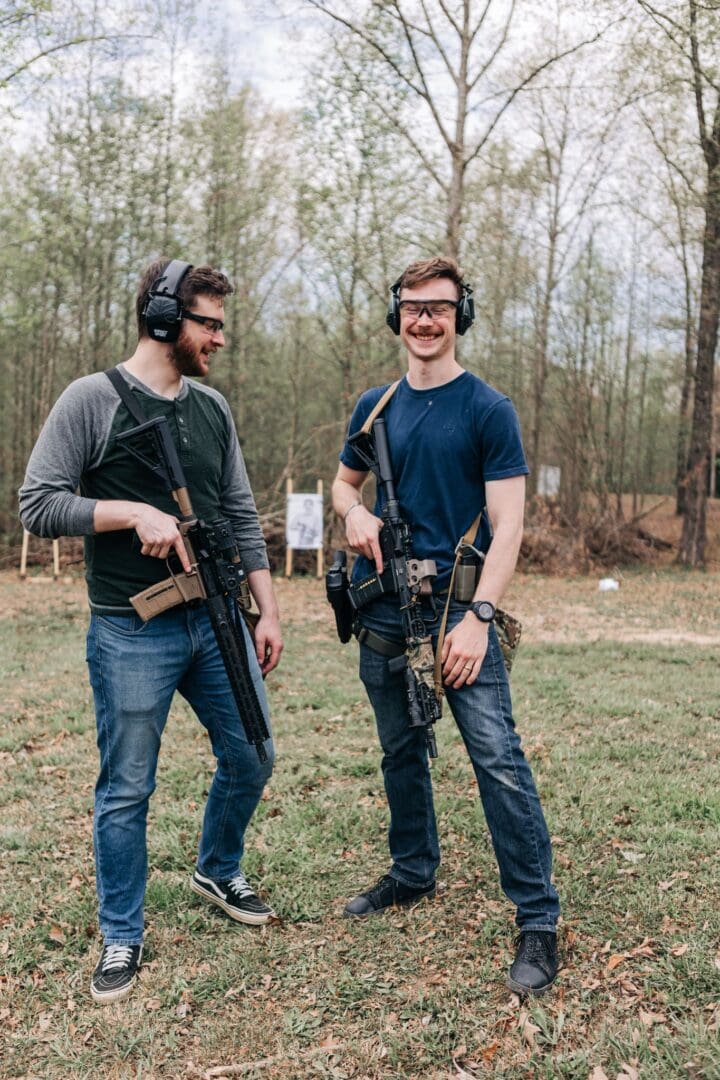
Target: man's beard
{"type": "Point", "coordinates": [185, 358]}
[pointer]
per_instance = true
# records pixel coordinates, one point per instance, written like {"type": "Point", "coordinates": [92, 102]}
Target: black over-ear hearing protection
{"type": "Point", "coordinates": [163, 311]}
{"type": "Point", "coordinates": [464, 312]}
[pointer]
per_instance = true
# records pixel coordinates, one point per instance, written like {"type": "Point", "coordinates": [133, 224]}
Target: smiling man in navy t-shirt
{"type": "Point", "coordinates": [455, 447]}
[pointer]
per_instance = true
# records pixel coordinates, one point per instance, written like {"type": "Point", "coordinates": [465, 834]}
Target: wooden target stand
{"type": "Point", "coordinates": [24, 559]}
{"type": "Point", "coordinates": [289, 552]}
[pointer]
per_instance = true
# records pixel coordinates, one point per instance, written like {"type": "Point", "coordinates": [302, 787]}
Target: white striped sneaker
{"type": "Point", "coordinates": [236, 897]}
{"type": "Point", "coordinates": [115, 973]}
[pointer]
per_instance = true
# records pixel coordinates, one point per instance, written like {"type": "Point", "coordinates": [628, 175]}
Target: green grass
{"type": "Point", "coordinates": [625, 744]}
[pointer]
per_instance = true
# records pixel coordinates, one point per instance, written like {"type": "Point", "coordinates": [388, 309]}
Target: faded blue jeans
{"type": "Point", "coordinates": [483, 713]}
{"type": "Point", "coordinates": [135, 668]}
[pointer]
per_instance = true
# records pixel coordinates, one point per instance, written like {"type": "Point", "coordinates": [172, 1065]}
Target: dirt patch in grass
{"type": "Point", "coordinates": [662, 606]}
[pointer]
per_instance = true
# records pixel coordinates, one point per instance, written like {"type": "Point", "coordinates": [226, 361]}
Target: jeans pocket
{"type": "Point", "coordinates": [374, 672]}
{"type": "Point", "coordinates": [125, 625]}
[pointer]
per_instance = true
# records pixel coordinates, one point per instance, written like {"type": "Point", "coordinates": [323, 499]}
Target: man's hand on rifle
{"type": "Point", "coordinates": [362, 530]}
{"type": "Point", "coordinates": [159, 534]}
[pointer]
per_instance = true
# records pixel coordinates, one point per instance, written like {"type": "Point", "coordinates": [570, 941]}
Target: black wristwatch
{"type": "Point", "coordinates": [483, 610]}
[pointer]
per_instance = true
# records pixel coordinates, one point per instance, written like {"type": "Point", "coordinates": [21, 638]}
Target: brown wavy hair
{"type": "Point", "coordinates": [427, 269]}
{"type": "Point", "coordinates": [200, 281]}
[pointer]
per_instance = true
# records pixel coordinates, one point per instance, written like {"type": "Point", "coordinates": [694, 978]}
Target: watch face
{"type": "Point", "coordinates": [484, 610]}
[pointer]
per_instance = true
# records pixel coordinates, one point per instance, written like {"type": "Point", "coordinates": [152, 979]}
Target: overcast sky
{"type": "Point", "coordinates": [271, 49]}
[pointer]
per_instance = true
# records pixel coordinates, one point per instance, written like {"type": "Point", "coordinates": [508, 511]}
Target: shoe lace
{"type": "Point", "coordinates": [377, 891]}
{"type": "Point", "coordinates": [534, 946]}
{"type": "Point", "coordinates": [239, 885]}
{"type": "Point", "coordinates": [116, 957]}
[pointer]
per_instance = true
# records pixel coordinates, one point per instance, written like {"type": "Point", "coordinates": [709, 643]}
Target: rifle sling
{"type": "Point", "coordinates": [379, 407]}
{"type": "Point", "coordinates": [120, 384]}
{"type": "Point", "coordinates": [468, 538]}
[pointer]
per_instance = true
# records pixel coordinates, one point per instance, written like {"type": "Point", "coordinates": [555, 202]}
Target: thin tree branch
{"type": "Point", "coordinates": [421, 74]}
{"type": "Point", "coordinates": [494, 54]}
{"type": "Point", "coordinates": [526, 82]}
{"type": "Point", "coordinates": [437, 42]}
{"type": "Point", "coordinates": [364, 36]}
{"type": "Point", "coordinates": [53, 49]}
{"type": "Point", "coordinates": [697, 86]}
{"type": "Point", "coordinates": [391, 116]}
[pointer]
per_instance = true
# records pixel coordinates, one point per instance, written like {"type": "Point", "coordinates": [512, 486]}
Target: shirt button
{"type": "Point", "coordinates": [180, 420]}
{"type": "Point", "coordinates": [184, 439]}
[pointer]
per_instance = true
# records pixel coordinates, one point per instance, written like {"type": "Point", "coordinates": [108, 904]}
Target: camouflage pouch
{"type": "Point", "coordinates": [421, 660]}
{"type": "Point", "coordinates": [509, 630]}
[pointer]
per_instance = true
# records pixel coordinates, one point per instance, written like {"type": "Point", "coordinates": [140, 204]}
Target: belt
{"type": "Point", "coordinates": [379, 644]}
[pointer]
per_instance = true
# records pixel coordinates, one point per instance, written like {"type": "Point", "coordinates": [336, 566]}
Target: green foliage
{"type": "Point", "coordinates": [140, 148]}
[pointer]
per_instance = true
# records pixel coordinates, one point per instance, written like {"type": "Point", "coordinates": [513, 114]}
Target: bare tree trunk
{"type": "Point", "coordinates": [694, 534]}
{"type": "Point", "coordinates": [625, 404]}
{"type": "Point", "coordinates": [697, 477]}
{"type": "Point", "coordinates": [540, 366]}
{"type": "Point", "coordinates": [688, 375]}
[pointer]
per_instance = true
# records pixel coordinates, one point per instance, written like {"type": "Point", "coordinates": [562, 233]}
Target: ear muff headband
{"type": "Point", "coordinates": [464, 312]}
{"type": "Point", "coordinates": [163, 311]}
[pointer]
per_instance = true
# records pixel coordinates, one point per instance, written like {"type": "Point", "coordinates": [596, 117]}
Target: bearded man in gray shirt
{"type": "Point", "coordinates": [81, 481]}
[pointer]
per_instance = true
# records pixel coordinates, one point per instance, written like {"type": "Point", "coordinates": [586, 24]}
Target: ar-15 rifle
{"type": "Point", "coordinates": [409, 578]}
{"type": "Point", "coordinates": [216, 576]}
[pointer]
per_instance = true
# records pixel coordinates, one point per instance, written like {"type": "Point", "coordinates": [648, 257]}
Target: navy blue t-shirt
{"type": "Point", "coordinates": [445, 443]}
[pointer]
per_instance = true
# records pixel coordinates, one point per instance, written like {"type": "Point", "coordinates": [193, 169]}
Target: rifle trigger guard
{"type": "Point", "coordinates": [190, 585]}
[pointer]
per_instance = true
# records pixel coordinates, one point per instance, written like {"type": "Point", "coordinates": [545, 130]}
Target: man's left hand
{"type": "Point", "coordinates": [463, 652]}
{"type": "Point", "coordinates": [268, 643]}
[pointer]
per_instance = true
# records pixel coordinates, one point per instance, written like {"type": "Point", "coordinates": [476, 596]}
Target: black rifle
{"type": "Point", "coordinates": [216, 576]}
{"type": "Point", "coordinates": [409, 578]}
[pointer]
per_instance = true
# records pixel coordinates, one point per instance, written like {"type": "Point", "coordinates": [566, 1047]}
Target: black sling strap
{"type": "Point", "coordinates": [126, 394]}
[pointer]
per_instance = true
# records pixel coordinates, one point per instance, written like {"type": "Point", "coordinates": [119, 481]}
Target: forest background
{"type": "Point", "coordinates": [567, 153]}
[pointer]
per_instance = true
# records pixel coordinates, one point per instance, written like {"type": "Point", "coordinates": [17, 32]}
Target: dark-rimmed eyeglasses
{"type": "Point", "coordinates": [213, 326]}
{"type": "Point", "coordinates": [434, 308]}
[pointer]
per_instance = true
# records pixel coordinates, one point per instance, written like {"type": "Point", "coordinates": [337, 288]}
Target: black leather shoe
{"type": "Point", "coordinates": [536, 963]}
{"type": "Point", "coordinates": [386, 894]}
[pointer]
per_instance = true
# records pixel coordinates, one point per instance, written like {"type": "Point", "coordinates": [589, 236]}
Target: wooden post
{"type": "Point", "coordinates": [24, 554]}
{"type": "Point", "coordinates": [24, 557]}
{"type": "Point", "coordinates": [320, 552]}
{"type": "Point", "coordinates": [288, 549]}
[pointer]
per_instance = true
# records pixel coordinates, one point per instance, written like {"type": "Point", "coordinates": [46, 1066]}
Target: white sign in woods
{"type": "Point", "coordinates": [548, 480]}
{"type": "Point", "coordinates": [304, 522]}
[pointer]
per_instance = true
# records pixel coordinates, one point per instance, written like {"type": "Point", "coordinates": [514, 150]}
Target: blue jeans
{"type": "Point", "coordinates": [135, 668]}
{"type": "Point", "coordinates": [483, 713]}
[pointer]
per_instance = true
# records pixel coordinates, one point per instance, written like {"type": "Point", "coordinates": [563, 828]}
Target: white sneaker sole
{"type": "Point", "coordinates": [105, 998]}
{"type": "Point", "coordinates": [238, 916]}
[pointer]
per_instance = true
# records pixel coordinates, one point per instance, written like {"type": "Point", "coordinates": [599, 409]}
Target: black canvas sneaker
{"type": "Point", "coordinates": [536, 963]}
{"type": "Point", "coordinates": [235, 897]}
{"type": "Point", "coordinates": [116, 972]}
{"type": "Point", "coordinates": [387, 893]}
